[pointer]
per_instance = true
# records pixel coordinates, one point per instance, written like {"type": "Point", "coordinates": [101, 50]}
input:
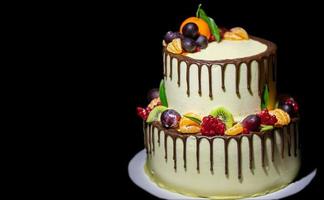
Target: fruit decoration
{"type": "Point", "coordinates": [252, 123]}
{"type": "Point", "coordinates": [187, 125]}
{"type": "Point", "coordinates": [266, 118]}
{"type": "Point", "coordinates": [175, 46]}
{"type": "Point", "coordinates": [236, 33]}
{"type": "Point", "coordinates": [170, 36]}
{"type": "Point", "coordinates": [212, 126]}
{"type": "Point", "coordinates": [163, 97]}
{"type": "Point", "coordinates": [170, 118]}
{"type": "Point", "coordinates": [282, 117]}
{"type": "Point", "coordinates": [202, 42]}
{"type": "Point", "coordinates": [143, 112]}
{"type": "Point", "coordinates": [235, 130]}
{"type": "Point", "coordinates": [155, 102]}
{"type": "Point", "coordinates": [189, 45]}
{"type": "Point", "coordinates": [154, 114]}
{"type": "Point", "coordinates": [152, 94]}
{"type": "Point", "coordinates": [265, 128]}
{"type": "Point", "coordinates": [289, 105]}
{"type": "Point", "coordinates": [202, 26]}
{"type": "Point", "coordinates": [224, 115]}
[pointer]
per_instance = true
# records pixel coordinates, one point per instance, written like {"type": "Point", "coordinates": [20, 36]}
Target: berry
{"type": "Point", "coordinates": [189, 45]}
{"type": "Point", "coordinates": [170, 118]}
{"type": "Point", "coordinates": [212, 126]}
{"type": "Point", "coordinates": [266, 118]}
{"type": "Point", "coordinates": [142, 112]}
{"type": "Point", "coordinates": [252, 123]}
{"type": "Point", "coordinates": [212, 38]}
{"type": "Point", "coordinates": [285, 99]}
{"type": "Point", "coordinates": [190, 30]}
{"type": "Point", "coordinates": [202, 42]}
{"type": "Point", "coordinates": [152, 94]}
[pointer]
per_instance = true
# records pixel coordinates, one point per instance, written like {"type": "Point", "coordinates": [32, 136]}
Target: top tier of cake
{"type": "Point", "coordinates": [232, 74]}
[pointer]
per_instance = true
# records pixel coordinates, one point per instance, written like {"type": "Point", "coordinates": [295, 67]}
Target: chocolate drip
{"type": "Point", "coordinates": [295, 139]}
{"type": "Point", "coordinates": [264, 69]}
{"type": "Point", "coordinates": [149, 138]}
{"type": "Point", "coordinates": [272, 138]}
{"type": "Point", "coordinates": [170, 68]}
{"type": "Point", "coordinates": [262, 149]}
{"type": "Point", "coordinates": [165, 66]}
{"type": "Point", "coordinates": [250, 150]}
{"type": "Point", "coordinates": [237, 79]}
{"type": "Point", "coordinates": [199, 80]}
{"type": "Point", "coordinates": [159, 133]}
{"type": "Point", "coordinates": [211, 140]}
{"type": "Point", "coordinates": [226, 155]}
{"type": "Point", "coordinates": [153, 142]}
{"type": "Point", "coordinates": [210, 81]}
{"type": "Point", "coordinates": [248, 68]}
{"type": "Point", "coordinates": [239, 157]}
{"type": "Point", "coordinates": [274, 67]}
{"type": "Point", "coordinates": [184, 140]}
{"type": "Point", "coordinates": [178, 66]}
{"type": "Point", "coordinates": [165, 147]}
{"type": "Point", "coordinates": [261, 71]}
{"type": "Point", "coordinates": [289, 140]}
{"type": "Point", "coordinates": [281, 132]}
{"type": "Point", "coordinates": [188, 79]}
{"type": "Point", "coordinates": [198, 153]}
{"type": "Point", "coordinates": [223, 77]}
{"type": "Point", "coordinates": [145, 136]}
{"type": "Point", "coordinates": [175, 152]}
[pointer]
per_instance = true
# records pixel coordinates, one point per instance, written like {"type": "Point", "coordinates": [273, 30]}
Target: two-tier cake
{"type": "Point", "coordinates": [215, 128]}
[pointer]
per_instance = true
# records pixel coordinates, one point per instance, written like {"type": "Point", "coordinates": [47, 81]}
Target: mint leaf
{"type": "Point", "coordinates": [265, 98]}
{"type": "Point", "coordinates": [266, 128]}
{"type": "Point", "coordinates": [211, 24]}
{"type": "Point", "coordinates": [163, 97]}
{"type": "Point", "coordinates": [193, 119]}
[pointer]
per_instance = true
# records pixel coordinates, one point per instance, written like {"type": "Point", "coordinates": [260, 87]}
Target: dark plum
{"type": "Point", "coordinates": [287, 108]}
{"type": "Point", "coordinates": [202, 42]}
{"type": "Point", "coordinates": [152, 94]}
{"type": "Point", "coordinates": [252, 122]}
{"type": "Point", "coordinates": [170, 118]}
{"type": "Point", "coordinates": [189, 45]}
{"type": "Point", "coordinates": [190, 30]}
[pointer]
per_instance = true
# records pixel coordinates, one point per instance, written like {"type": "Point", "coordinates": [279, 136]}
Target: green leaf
{"type": "Point", "coordinates": [163, 97]}
{"type": "Point", "coordinates": [265, 128]}
{"type": "Point", "coordinates": [265, 98]}
{"type": "Point", "coordinates": [197, 13]}
{"type": "Point", "coordinates": [193, 119]}
{"type": "Point", "coordinates": [211, 24]}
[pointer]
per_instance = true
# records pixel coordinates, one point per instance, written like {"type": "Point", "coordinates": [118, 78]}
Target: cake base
{"type": "Point", "coordinates": [140, 178]}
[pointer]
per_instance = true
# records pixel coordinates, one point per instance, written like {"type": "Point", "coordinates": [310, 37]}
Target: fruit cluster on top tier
{"type": "Point", "coordinates": [220, 121]}
{"type": "Point", "coordinates": [196, 32]}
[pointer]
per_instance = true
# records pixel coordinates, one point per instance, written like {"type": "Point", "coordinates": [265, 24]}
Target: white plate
{"type": "Point", "coordinates": [138, 176]}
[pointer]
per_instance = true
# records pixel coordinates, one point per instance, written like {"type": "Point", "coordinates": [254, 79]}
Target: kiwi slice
{"type": "Point", "coordinates": [154, 114]}
{"type": "Point", "coordinates": [224, 115]}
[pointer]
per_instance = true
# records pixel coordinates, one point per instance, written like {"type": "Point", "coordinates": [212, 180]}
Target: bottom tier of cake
{"type": "Point", "coordinates": [222, 167]}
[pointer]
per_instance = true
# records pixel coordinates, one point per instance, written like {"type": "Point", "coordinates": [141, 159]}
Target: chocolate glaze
{"type": "Point", "coordinates": [159, 133]}
{"type": "Point", "coordinates": [174, 134]}
{"type": "Point", "coordinates": [153, 142]}
{"type": "Point", "coordinates": [268, 57]}
{"type": "Point", "coordinates": [289, 140]}
{"type": "Point", "coordinates": [145, 136]}
{"type": "Point", "coordinates": [149, 139]}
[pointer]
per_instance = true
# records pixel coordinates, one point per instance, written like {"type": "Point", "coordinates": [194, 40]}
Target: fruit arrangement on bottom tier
{"type": "Point", "coordinates": [220, 121]}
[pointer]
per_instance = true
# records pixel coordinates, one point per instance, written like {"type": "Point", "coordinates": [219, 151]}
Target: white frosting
{"type": "Point", "coordinates": [229, 49]}
{"type": "Point", "coordinates": [257, 181]}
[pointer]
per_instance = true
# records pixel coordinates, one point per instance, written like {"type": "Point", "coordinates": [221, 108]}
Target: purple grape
{"type": "Point", "coordinates": [189, 45]}
{"type": "Point", "coordinates": [152, 94]}
{"type": "Point", "coordinates": [202, 42]}
{"type": "Point", "coordinates": [169, 36]}
{"type": "Point", "coordinates": [190, 30]}
{"type": "Point", "coordinates": [170, 118]}
{"type": "Point", "coordinates": [252, 123]}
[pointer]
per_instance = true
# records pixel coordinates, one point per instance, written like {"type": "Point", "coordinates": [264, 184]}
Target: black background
{"type": "Point", "coordinates": [295, 28]}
